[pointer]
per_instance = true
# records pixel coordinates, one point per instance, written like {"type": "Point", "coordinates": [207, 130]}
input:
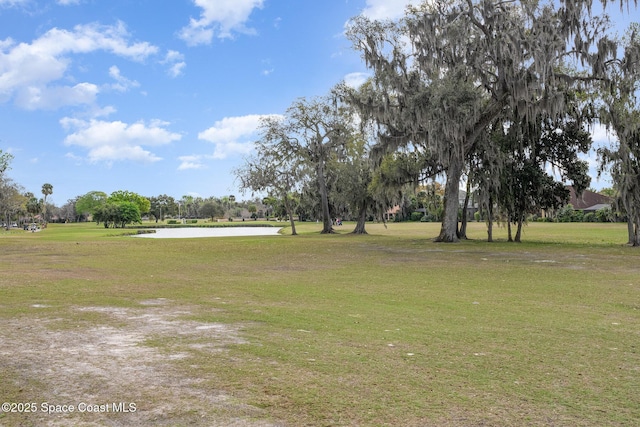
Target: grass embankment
{"type": "Point", "coordinates": [384, 329]}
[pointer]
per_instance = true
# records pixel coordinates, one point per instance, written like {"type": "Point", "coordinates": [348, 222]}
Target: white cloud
{"type": "Point", "coordinates": [176, 63]}
{"type": "Point", "coordinates": [68, 2]}
{"type": "Point", "coordinates": [221, 17]}
{"type": "Point", "coordinates": [176, 69]}
{"type": "Point", "coordinates": [232, 148]}
{"type": "Point", "coordinates": [28, 69]}
{"type": "Point", "coordinates": [233, 135]}
{"type": "Point", "coordinates": [10, 3]}
{"type": "Point", "coordinates": [231, 129]}
{"type": "Point", "coordinates": [387, 9]}
{"type": "Point", "coordinates": [355, 80]}
{"type": "Point", "coordinates": [122, 84]}
{"type": "Point", "coordinates": [172, 56]}
{"type": "Point", "coordinates": [192, 162]}
{"type": "Point", "coordinates": [116, 141]}
{"type": "Point", "coordinates": [53, 97]}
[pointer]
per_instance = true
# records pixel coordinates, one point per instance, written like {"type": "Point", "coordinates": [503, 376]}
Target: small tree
{"type": "Point", "coordinates": [274, 168]}
{"type": "Point", "coordinates": [89, 202]}
{"type": "Point", "coordinates": [566, 213]}
{"type": "Point", "coordinates": [143, 204]}
{"type": "Point", "coordinates": [47, 190]}
{"type": "Point", "coordinates": [33, 205]}
{"type": "Point", "coordinates": [12, 200]}
{"type": "Point", "coordinates": [211, 210]}
{"type": "Point", "coordinates": [117, 214]}
{"type": "Point", "coordinates": [127, 213]}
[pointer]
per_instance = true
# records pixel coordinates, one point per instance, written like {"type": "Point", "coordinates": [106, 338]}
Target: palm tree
{"type": "Point", "coordinates": [47, 189]}
{"type": "Point", "coordinates": [33, 205]}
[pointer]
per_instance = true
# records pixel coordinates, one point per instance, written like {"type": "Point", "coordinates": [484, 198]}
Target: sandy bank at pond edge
{"type": "Point", "coordinates": [190, 232]}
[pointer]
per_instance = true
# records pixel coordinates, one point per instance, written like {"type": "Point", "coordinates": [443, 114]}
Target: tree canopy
{"type": "Point", "coordinates": [449, 69]}
{"type": "Point", "coordinates": [620, 112]}
{"type": "Point", "coordinates": [89, 202]}
{"type": "Point", "coordinates": [143, 204]}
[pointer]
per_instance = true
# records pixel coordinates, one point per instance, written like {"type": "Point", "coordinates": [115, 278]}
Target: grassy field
{"type": "Point", "coordinates": [387, 329]}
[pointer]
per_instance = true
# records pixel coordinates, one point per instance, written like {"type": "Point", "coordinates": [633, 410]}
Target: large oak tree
{"type": "Point", "coordinates": [449, 69]}
{"type": "Point", "coordinates": [620, 112]}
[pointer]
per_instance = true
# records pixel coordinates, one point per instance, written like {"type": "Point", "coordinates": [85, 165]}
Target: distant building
{"type": "Point", "coordinates": [588, 201]}
{"type": "Point", "coordinates": [390, 214]}
{"type": "Point", "coordinates": [473, 206]}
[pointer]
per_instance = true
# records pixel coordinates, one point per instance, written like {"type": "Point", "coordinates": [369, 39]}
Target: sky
{"type": "Point", "coordinates": [164, 96]}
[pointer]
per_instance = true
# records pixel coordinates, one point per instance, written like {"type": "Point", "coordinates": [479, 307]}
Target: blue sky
{"type": "Point", "coordinates": [162, 96]}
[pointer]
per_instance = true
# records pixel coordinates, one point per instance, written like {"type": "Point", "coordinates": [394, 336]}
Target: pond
{"type": "Point", "coordinates": [190, 232]}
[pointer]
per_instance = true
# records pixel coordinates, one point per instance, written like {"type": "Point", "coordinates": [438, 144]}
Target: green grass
{"type": "Point", "coordinates": [384, 329]}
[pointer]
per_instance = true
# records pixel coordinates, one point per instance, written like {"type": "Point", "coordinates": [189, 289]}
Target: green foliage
{"type": "Point", "coordinates": [478, 66]}
{"type": "Point", "coordinates": [605, 215]}
{"type": "Point", "coordinates": [33, 205]}
{"type": "Point", "coordinates": [620, 112]}
{"type": "Point", "coordinates": [590, 217]}
{"type": "Point", "coordinates": [416, 216]}
{"type": "Point", "coordinates": [566, 213]}
{"type": "Point", "coordinates": [143, 204]}
{"type": "Point", "coordinates": [117, 214]}
{"type": "Point", "coordinates": [5, 162]}
{"type": "Point", "coordinates": [609, 192]}
{"type": "Point", "coordinates": [88, 203]}
{"type": "Point", "coordinates": [578, 216]}
{"type": "Point", "coordinates": [129, 213]}
{"type": "Point", "coordinates": [212, 210]}
{"type": "Point", "coordinates": [162, 206]}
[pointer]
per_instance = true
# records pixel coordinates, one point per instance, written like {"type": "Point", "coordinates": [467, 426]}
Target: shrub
{"type": "Point", "coordinates": [172, 221]}
{"type": "Point", "coordinates": [566, 213]}
{"type": "Point", "coordinates": [430, 218]}
{"type": "Point", "coordinates": [604, 215]}
{"type": "Point", "coordinates": [416, 216]}
{"type": "Point", "coordinates": [590, 217]}
{"type": "Point", "coordinates": [578, 216]}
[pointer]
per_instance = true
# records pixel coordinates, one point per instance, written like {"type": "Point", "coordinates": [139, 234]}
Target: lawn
{"type": "Point", "coordinates": [386, 329]}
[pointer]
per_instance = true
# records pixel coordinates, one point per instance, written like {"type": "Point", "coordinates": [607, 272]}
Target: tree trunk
{"type": "Point", "coordinates": [635, 232]}
{"type": "Point", "coordinates": [449, 229]}
{"type": "Point", "coordinates": [519, 232]}
{"type": "Point", "coordinates": [490, 220]}
{"type": "Point", "coordinates": [287, 206]}
{"type": "Point", "coordinates": [293, 224]}
{"type": "Point", "coordinates": [630, 230]}
{"type": "Point", "coordinates": [509, 237]}
{"type": "Point", "coordinates": [463, 227]}
{"type": "Point", "coordinates": [362, 217]}
{"type": "Point", "coordinates": [327, 224]}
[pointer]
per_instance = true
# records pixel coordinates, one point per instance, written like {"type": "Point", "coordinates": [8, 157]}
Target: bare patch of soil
{"type": "Point", "coordinates": [110, 374]}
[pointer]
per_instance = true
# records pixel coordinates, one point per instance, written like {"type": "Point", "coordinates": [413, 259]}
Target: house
{"type": "Point", "coordinates": [588, 201]}
{"type": "Point", "coordinates": [473, 206]}
{"type": "Point", "coordinates": [391, 213]}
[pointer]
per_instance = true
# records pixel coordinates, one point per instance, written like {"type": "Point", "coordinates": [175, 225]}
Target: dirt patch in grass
{"type": "Point", "coordinates": [111, 372]}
